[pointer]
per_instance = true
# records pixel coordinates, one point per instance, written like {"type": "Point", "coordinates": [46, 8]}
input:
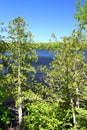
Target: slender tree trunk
{"type": "Point", "coordinates": [77, 98]}
{"type": "Point", "coordinates": [19, 90]}
{"type": "Point", "coordinates": [73, 113]}
{"type": "Point", "coordinates": [20, 100]}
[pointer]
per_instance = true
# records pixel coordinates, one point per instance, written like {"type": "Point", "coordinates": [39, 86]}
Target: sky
{"type": "Point", "coordinates": [43, 16]}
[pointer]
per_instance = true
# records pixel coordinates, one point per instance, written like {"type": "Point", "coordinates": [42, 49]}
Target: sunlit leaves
{"type": "Point", "coordinates": [42, 116]}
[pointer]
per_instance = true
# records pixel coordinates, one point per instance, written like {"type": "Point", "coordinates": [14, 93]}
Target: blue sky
{"type": "Point", "coordinates": [44, 16]}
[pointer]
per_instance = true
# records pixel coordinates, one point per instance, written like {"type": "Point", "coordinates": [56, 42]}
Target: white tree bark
{"type": "Point", "coordinates": [77, 98]}
{"type": "Point", "coordinates": [19, 90]}
{"type": "Point", "coordinates": [73, 113]}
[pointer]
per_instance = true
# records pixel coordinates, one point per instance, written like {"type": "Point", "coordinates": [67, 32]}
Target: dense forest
{"type": "Point", "coordinates": [59, 101]}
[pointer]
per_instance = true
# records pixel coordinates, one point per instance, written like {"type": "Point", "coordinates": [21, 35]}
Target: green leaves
{"type": "Point", "coordinates": [58, 104]}
{"type": "Point", "coordinates": [4, 115]}
{"type": "Point", "coordinates": [81, 14]}
{"type": "Point", "coordinates": [67, 78]}
{"type": "Point", "coordinates": [41, 116]}
{"type": "Point", "coordinates": [81, 118]}
{"type": "Point", "coordinates": [20, 69]}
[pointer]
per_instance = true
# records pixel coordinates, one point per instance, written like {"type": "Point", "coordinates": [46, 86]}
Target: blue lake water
{"type": "Point", "coordinates": [43, 55]}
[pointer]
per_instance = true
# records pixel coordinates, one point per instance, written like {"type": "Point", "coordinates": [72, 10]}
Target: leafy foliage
{"type": "Point", "coordinates": [41, 116]}
{"type": "Point", "coordinates": [67, 77]}
{"type": "Point", "coordinates": [61, 102]}
{"type": "Point", "coordinates": [4, 112]}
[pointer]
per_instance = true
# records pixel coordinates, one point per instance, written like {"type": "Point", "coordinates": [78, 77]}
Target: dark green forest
{"type": "Point", "coordinates": [58, 103]}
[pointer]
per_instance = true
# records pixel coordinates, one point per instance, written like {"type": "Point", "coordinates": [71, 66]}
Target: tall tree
{"type": "Point", "coordinates": [67, 77]}
{"type": "Point", "coordinates": [20, 60]}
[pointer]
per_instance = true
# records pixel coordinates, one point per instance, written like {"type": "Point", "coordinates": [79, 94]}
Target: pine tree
{"type": "Point", "coordinates": [20, 61]}
{"type": "Point", "coordinates": [67, 78]}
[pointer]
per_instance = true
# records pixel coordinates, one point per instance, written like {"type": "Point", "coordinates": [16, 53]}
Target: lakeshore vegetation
{"type": "Point", "coordinates": [60, 103]}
